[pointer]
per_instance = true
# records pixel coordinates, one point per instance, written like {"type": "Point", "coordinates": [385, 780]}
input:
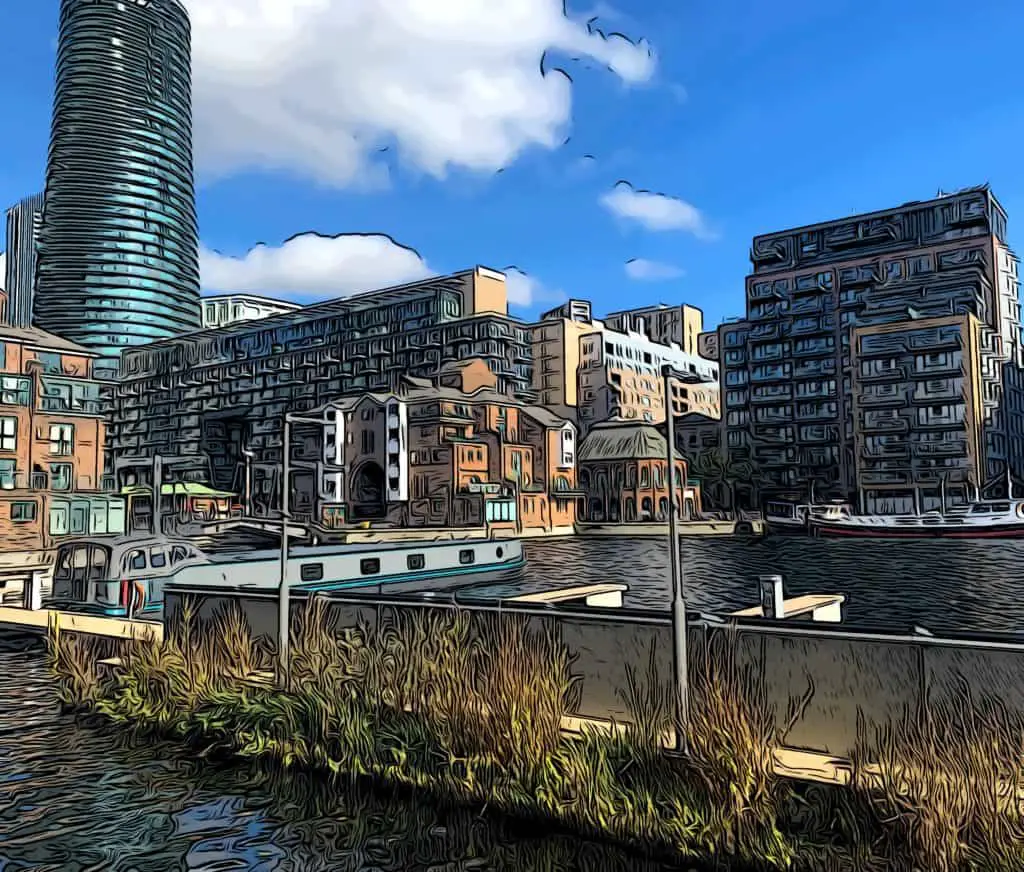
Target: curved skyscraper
{"type": "Point", "coordinates": [118, 249]}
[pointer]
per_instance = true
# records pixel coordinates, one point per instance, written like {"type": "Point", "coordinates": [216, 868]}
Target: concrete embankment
{"type": "Point", "coordinates": [686, 528]}
{"type": "Point", "coordinates": [830, 676]}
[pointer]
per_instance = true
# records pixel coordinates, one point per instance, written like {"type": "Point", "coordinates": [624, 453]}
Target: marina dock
{"type": "Point", "coordinates": [39, 622]}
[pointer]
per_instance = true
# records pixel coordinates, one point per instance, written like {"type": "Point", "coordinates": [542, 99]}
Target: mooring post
{"type": "Point", "coordinates": [773, 603]}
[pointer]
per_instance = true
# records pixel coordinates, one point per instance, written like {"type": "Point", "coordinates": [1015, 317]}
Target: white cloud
{"type": "Point", "coordinates": [316, 87]}
{"type": "Point", "coordinates": [313, 266]}
{"type": "Point", "coordinates": [523, 289]}
{"type": "Point", "coordinates": [642, 270]}
{"type": "Point", "coordinates": [655, 211]}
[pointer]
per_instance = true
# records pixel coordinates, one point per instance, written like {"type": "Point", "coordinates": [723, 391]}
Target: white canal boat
{"type": "Point", "coordinates": [129, 577]}
{"type": "Point", "coordinates": [994, 519]}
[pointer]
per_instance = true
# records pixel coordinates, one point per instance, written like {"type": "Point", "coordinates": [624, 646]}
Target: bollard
{"type": "Point", "coordinates": [773, 605]}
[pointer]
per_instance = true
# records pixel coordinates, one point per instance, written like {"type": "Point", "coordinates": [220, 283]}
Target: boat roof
{"type": "Point", "coordinates": [340, 549]}
{"type": "Point", "coordinates": [124, 541]}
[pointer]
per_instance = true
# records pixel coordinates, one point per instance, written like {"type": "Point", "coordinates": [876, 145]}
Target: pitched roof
{"type": "Point", "coordinates": [42, 339]}
{"type": "Point", "coordinates": [623, 440]}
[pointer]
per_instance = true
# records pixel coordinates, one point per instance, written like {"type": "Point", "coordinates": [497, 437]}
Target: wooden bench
{"type": "Point", "coordinates": [603, 595]}
{"type": "Point", "coordinates": [818, 607]}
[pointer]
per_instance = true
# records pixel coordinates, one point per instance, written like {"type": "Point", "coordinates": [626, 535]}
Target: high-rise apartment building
{"type": "Point", "coordinates": [24, 222]}
{"type": "Point", "coordinates": [880, 356]}
{"type": "Point", "coordinates": [607, 372]}
{"type": "Point", "coordinates": [222, 310]}
{"type": "Point", "coordinates": [215, 394]}
{"type": "Point", "coordinates": [118, 251]}
{"type": "Point", "coordinates": [667, 325]}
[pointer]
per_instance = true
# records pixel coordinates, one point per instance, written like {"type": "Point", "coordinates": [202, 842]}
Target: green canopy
{"type": "Point", "coordinates": [180, 489]}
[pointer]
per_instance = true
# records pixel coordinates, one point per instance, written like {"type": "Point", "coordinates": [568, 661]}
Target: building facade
{"type": "Point", "coordinates": [584, 365]}
{"type": "Point", "coordinates": [620, 377]}
{"type": "Point", "coordinates": [623, 470]}
{"type": "Point", "coordinates": [24, 223]}
{"type": "Point", "coordinates": [445, 452]}
{"type": "Point", "coordinates": [222, 310]}
{"type": "Point", "coordinates": [666, 325]}
{"type": "Point", "coordinates": [215, 394]}
{"type": "Point", "coordinates": [118, 250]}
{"type": "Point", "coordinates": [842, 319]}
{"type": "Point", "coordinates": [51, 440]}
{"type": "Point", "coordinates": [556, 353]}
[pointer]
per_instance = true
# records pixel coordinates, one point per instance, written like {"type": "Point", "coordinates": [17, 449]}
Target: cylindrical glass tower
{"type": "Point", "coordinates": [118, 250]}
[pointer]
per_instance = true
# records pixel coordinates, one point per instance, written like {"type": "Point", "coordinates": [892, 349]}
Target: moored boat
{"type": "Point", "coordinates": [994, 519]}
{"type": "Point", "coordinates": [398, 567]}
{"type": "Point", "coordinates": [791, 519]}
{"type": "Point", "coordinates": [130, 577]}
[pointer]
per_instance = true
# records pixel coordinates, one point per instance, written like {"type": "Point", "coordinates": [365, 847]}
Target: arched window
{"type": "Point", "coordinates": [645, 476]}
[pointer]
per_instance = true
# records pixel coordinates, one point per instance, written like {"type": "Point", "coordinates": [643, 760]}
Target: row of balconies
{"type": "Point", "coordinates": [20, 480]}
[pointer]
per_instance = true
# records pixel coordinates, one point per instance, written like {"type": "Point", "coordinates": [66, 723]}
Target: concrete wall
{"type": "Point", "coordinates": [880, 676]}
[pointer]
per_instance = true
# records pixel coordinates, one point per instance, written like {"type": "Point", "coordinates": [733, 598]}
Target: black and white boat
{"type": "Point", "coordinates": [993, 519]}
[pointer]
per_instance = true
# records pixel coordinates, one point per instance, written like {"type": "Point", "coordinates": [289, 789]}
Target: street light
{"type": "Point", "coordinates": [283, 604]}
{"type": "Point", "coordinates": [679, 653]}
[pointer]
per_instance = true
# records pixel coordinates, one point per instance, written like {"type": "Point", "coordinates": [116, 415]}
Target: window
{"type": "Point", "coordinates": [51, 362]}
{"type": "Point", "coordinates": [61, 476]}
{"type": "Point", "coordinates": [157, 558]}
{"type": "Point", "coordinates": [415, 561]}
{"type": "Point", "coordinates": [178, 554]}
{"type": "Point", "coordinates": [311, 571]}
{"type": "Point", "coordinates": [367, 438]}
{"type": "Point", "coordinates": [467, 557]}
{"type": "Point", "coordinates": [8, 434]}
{"type": "Point", "coordinates": [369, 566]}
{"type": "Point", "coordinates": [62, 440]}
{"type": "Point", "coordinates": [135, 560]}
{"type": "Point", "coordinates": [3, 354]}
{"type": "Point", "coordinates": [14, 391]}
{"type": "Point", "coordinates": [7, 473]}
{"type": "Point", "coordinates": [23, 513]}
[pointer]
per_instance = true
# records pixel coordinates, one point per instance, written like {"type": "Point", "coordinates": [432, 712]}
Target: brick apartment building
{"type": "Point", "coordinates": [51, 442]}
{"type": "Point", "coordinates": [446, 452]}
{"type": "Point", "coordinates": [880, 357]}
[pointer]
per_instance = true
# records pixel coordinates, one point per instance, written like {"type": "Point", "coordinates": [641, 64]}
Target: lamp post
{"type": "Point", "coordinates": [679, 653]}
{"type": "Point", "coordinates": [283, 603]}
{"type": "Point", "coordinates": [247, 486]}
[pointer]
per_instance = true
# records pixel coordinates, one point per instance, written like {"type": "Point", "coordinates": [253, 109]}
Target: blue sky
{"type": "Point", "coordinates": [757, 116]}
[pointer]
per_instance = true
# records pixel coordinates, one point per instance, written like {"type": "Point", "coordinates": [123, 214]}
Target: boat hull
{"type": "Point", "coordinates": [783, 528]}
{"type": "Point", "coordinates": [864, 531]}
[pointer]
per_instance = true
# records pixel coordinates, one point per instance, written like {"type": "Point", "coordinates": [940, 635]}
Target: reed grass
{"type": "Point", "coordinates": [468, 710]}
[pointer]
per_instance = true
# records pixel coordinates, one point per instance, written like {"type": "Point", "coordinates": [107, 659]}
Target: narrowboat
{"type": "Point", "coordinates": [398, 568]}
{"type": "Point", "coordinates": [129, 577]}
{"type": "Point", "coordinates": [122, 576]}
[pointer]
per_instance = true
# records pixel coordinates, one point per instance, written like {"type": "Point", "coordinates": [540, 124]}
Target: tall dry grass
{"type": "Point", "coordinates": [948, 787]}
{"type": "Point", "coordinates": [467, 708]}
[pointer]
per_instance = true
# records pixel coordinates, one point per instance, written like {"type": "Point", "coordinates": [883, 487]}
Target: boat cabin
{"type": "Point", "coordinates": [121, 577]}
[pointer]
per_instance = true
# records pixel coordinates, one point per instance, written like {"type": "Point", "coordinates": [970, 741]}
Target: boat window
{"type": "Point", "coordinates": [415, 561]}
{"type": "Point", "coordinates": [157, 558]}
{"type": "Point", "coordinates": [467, 557]}
{"type": "Point", "coordinates": [135, 560]}
{"type": "Point", "coordinates": [369, 566]}
{"type": "Point", "coordinates": [63, 569]}
{"type": "Point", "coordinates": [100, 561]}
{"type": "Point", "coordinates": [981, 509]}
{"type": "Point", "coordinates": [1000, 507]}
{"type": "Point", "coordinates": [311, 571]}
{"type": "Point", "coordinates": [500, 552]}
{"type": "Point", "coordinates": [178, 553]}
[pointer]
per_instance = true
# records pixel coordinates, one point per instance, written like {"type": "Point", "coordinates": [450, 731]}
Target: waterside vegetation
{"type": "Point", "coordinates": [468, 711]}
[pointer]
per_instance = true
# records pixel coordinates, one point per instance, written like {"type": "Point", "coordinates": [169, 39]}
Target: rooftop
{"type": "Point", "coordinates": [41, 339]}
{"type": "Point", "coordinates": [623, 440]}
{"type": "Point", "coordinates": [355, 302]}
{"type": "Point", "coordinates": [878, 213]}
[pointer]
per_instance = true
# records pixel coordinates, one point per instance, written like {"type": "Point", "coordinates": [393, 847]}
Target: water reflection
{"type": "Point", "coordinates": [76, 798]}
